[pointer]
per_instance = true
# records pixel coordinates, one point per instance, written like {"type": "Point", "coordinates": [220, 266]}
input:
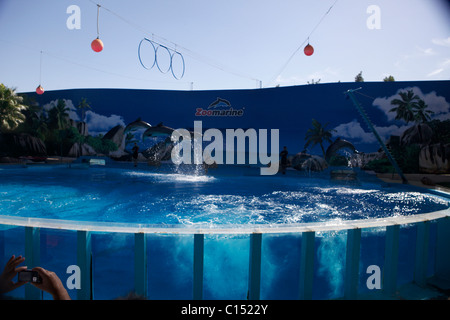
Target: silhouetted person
{"type": "Point", "coordinates": [284, 160]}
{"type": "Point", "coordinates": [135, 153]}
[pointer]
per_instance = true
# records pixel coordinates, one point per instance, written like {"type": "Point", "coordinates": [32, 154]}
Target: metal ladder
{"type": "Point", "coordinates": [369, 123]}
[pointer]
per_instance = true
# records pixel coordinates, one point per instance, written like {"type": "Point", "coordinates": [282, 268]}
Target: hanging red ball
{"type": "Point", "coordinates": [97, 45]}
{"type": "Point", "coordinates": [39, 90]}
{"type": "Point", "coordinates": [309, 50]}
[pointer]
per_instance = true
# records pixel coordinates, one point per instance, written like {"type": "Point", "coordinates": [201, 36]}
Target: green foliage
{"type": "Point", "coordinates": [11, 108]}
{"type": "Point", "coordinates": [411, 108]}
{"type": "Point", "coordinates": [82, 106]}
{"type": "Point", "coordinates": [101, 145]}
{"type": "Point", "coordinates": [441, 131]}
{"type": "Point", "coordinates": [407, 158]}
{"type": "Point", "coordinates": [318, 134]}
{"type": "Point", "coordinates": [359, 77]}
{"type": "Point", "coordinates": [52, 126]}
{"type": "Point", "coordinates": [379, 166]}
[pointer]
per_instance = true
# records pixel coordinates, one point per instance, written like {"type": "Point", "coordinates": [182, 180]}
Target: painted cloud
{"type": "Point", "coordinates": [437, 104]}
{"type": "Point", "coordinates": [69, 105]}
{"type": "Point", "coordinates": [361, 134]}
{"type": "Point", "coordinates": [354, 132]}
{"type": "Point", "coordinates": [100, 124]}
{"type": "Point", "coordinates": [97, 123]}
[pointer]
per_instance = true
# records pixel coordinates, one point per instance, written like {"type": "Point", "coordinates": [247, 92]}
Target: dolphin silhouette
{"type": "Point", "coordinates": [158, 131]}
{"type": "Point", "coordinates": [215, 104]}
{"type": "Point", "coordinates": [337, 145]}
{"type": "Point", "coordinates": [138, 123]}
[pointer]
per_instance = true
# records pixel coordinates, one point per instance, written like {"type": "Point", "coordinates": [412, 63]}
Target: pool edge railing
{"type": "Point", "coordinates": [119, 227]}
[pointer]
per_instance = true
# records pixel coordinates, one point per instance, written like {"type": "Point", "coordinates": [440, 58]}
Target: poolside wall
{"type": "Point", "coordinates": [289, 109]}
{"type": "Point", "coordinates": [308, 264]}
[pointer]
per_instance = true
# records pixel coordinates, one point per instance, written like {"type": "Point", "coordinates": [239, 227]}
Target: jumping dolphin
{"type": "Point", "coordinates": [337, 145]}
{"type": "Point", "coordinates": [158, 130]}
{"type": "Point", "coordinates": [162, 130]}
{"type": "Point", "coordinates": [138, 123]}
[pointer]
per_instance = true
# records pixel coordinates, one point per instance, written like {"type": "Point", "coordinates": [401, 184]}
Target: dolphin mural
{"type": "Point", "coordinates": [337, 145]}
{"type": "Point", "coordinates": [138, 123]}
{"type": "Point", "coordinates": [158, 131]}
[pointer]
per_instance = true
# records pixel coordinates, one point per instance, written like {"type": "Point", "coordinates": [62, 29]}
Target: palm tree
{"type": "Point", "coordinates": [83, 105]}
{"type": "Point", "coordinates": [36, 121]}
{"type": "Point", "coordinates": [406, 106]}
{"type": "Point", "coordinates": [318, 134]}
{"type": "Point", "coordinates": [59, 115]}
{"type": "Point", "coordinates": [422, 115]}
{"type": "Point", "coordinates": [11, 108]}
{"type": "Point", "coordinates": [58, 119]}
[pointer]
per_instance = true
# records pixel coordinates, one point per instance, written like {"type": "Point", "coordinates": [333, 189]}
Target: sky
{"type": "Point", "coordinates": [233, 44]}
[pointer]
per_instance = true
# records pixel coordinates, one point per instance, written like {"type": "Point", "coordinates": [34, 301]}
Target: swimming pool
{"type": "Point", "coordinates": [231, 219]}
{"type": "Point", "coordinates": [166, 196]}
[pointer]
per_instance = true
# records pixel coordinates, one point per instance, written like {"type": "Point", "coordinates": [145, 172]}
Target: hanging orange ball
{"type": "Point", "coordinates": [309, 50]}
{"type": "Point", "coordinates": [97, 45]}
{"type": "Point", "coordinates": [39, 90]}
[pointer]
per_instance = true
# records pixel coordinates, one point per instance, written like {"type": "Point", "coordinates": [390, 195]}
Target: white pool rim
{"type": "Point", "coordinates": [331, 225]}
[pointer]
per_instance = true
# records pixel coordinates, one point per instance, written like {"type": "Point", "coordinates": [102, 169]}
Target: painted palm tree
{"type": "Point", "coordinates": [405, 107]}
{"type": "Point", "coordinates": [318, 134]}
{"type": "Point", "coordinates": [36, 121]}
{"type": "Point", "coordinates": [82, 106]}
{"type": "Point", "coordinates": [11, 108]}
{"type": "Point", "coordinates": [59, 115]}
{"type": "Point", "coordinates": [421, 114]}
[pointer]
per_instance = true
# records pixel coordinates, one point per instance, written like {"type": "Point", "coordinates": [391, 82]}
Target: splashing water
{"type": "Point", "coordinates": [156, 197]}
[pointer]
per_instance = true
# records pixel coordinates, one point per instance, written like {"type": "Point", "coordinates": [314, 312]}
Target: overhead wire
{"type": "Point", "coordinates": [301, 45]}
{"type": "Point", "coordinates": [67, 60]}
{"type": "Point", "coordinates": [40, 69]}
{"type": "Point", "coordinates": [98, 15]}
{"type": "Point", "coordinates": [174, 46]}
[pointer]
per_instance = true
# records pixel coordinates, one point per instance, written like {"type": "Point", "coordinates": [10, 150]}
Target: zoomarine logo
{"type": "Point", "coordinates": [219, 108]}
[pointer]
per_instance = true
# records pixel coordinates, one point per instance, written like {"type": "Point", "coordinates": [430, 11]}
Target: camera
{"type": "Point", "coordinates": [29, 276]}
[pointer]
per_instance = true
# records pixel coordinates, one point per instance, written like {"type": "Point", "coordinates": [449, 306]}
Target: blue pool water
{"type": "Point", "coordinates": [224, 196]}
{"type": "Point", "coordinates": [158, 196]}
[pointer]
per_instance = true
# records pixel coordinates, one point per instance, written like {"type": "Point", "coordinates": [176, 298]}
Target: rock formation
{"type": "Point", "coordinates": [117, 135]}
{"type": "Point", "coordinates": [81, 149]}
{"type": "Point", "coordinates": [21, 144]}
{"type": "Point", "coordinates": [435, 158]}
{"type": "Point", "coordinates": [420, 134]}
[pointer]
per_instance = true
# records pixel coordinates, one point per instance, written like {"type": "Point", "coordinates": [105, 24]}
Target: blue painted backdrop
{"type": "Point", "coordinates": [289, 109]}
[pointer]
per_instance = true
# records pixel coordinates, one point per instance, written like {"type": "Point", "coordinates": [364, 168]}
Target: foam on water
{"type": "Point", "coordinates": [170, 177]}
{"type": "Point", "coordinates": [144, 196]}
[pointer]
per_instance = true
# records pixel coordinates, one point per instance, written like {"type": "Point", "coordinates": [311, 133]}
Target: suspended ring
{"type": "Point", "coordinates": [157, 64]}
{"type": "Point", "coordinates": [139, 53]}
{"type": "Point", "coordinates": [156, 47]}
{"type": "Point", "coordinates": [171, 65]}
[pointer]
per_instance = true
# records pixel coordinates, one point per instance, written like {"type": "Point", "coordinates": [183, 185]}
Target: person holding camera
{"type": "Point", "coordinates": [47, 281]}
